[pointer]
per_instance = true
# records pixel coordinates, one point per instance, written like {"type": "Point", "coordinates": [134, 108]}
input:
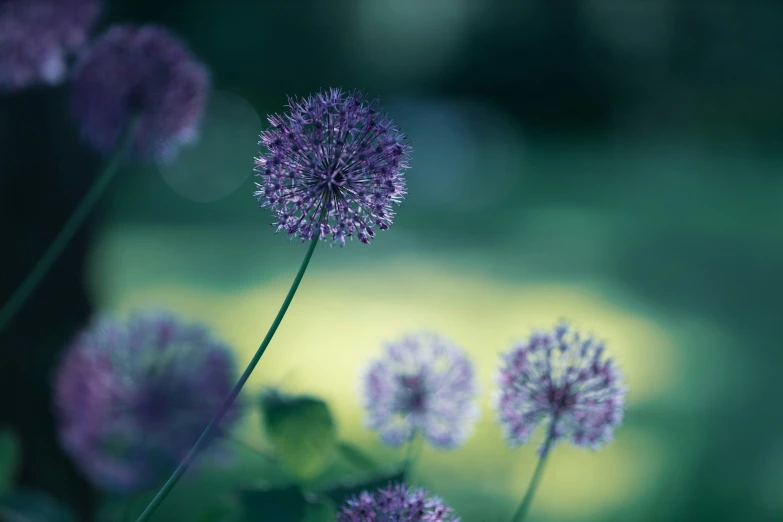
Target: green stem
{"type": "Point", "coordinates": [39, 271]}
{"type": "Point", "coordinates": [190, 457]}
{"type": "Point", "coordinates": [519, 516]}
{"type": "Point", "coordinates": [412, 452]}
{"type": "Point", "coordinates": [521, 511]}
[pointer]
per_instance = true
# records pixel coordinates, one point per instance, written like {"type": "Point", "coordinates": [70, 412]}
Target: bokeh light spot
{"type": "Point", "coordinates": [221, 159]}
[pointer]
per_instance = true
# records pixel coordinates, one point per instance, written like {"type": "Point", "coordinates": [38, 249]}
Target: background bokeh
{"type": "Point", "coordinates": [615, 163]}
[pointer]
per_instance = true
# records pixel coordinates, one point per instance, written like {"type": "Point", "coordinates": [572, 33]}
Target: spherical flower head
{"type": "Point", "coordinates": [426, 385]}
{"type": "Point", "coordinates": [132, 397]}
{"type": "Point", "coordinates": [562, 378]}
{"type": "Point", "coordinates": [396, 503]}
{"type": "Point", "coordinates": [333, 166]}
{"type": "Point", "coordinates": [38, 36]}
{"type": "Point", "coordinates": [143, 77]}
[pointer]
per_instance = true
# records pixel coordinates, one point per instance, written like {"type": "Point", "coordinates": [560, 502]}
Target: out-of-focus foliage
{"type": "Point", "coordinates": [27, 506]}
{"type": "Point", "coordinates": [9, 459]}
{"type": "Point", "coordinates": [287, 504]}
{"type": "Point", "coordinates": [302, 432]}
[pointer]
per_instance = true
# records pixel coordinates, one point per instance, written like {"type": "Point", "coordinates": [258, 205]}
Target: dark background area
{"type": "Point", "coordinates": [633, 146]}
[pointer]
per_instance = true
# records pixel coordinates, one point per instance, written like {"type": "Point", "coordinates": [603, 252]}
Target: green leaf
{"type": "Point", "coordinates": [341, 492]}
{"type": "Point", "coordinates": [9, 459]}
{"type": "Point", "coordinates": [302, 432]}
{"type": "Point", "coordinates": [281, 505]}
{"type": "Point", "coordinates": [24, 506]}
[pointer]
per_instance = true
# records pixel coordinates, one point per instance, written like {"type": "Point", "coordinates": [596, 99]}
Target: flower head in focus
{"type": "Point", "coordinates": [333, 166]}
{"type": "Point", "coordinates": [132, 397]}
{"type": "Point", "coordinates": [396, 503]}
{"type": "Point", "coordinates": [423, 384]}
{"type": "Point", "coordinates": [562, 378]}
{"type": "Point", "coordinates": [38, 36]}
{"type": "Point", "coordinates": [145, 76]}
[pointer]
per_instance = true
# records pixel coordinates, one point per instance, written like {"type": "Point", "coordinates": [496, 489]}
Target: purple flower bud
{"type": "Point", "coordinates": [145, 75]}
{"type": "Point", "coordinates": [131, 398]}
{"type": "Point", "coordinates": [423, 384]}
{"type": "Point", "coordinates": [396, 503]}
{"type": "Point", "coordinates": [38, 36]}
{"type": "Point", "coordinates": [333, 166]}
{"type": "Point", "coordinates": [564, 381]}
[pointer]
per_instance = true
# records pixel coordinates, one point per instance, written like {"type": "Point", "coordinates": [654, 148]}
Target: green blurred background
{"type": "Point", "coordinates": [616, 163]}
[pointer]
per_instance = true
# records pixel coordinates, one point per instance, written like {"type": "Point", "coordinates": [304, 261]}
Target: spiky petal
{"type": "Point", "coordinates": [396, 503]}
{"type": "Point", "coordinates": [333, 166]}
{"type": "Point", "coordinates": [132, 397]}
{"type": "Point", "coordinates": [38, 36]}
{"type": "Point", "coordinates": [423, 384]}
{"type": "Point", "coordinates": [144, 75]}
{"type": "Point", "coordinates": [563, 379]}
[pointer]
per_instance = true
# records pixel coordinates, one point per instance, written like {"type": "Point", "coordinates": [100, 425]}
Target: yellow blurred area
{"type": "Point", "coordinates": [340, 318]}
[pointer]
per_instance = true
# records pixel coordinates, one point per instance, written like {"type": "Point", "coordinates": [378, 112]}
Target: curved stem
{"type": "Point", "coordinates": [226, 406]}
{"type": "Point", "coordinates": [521, 511]}
{"type": "Point", "coordinates": [75, 221]}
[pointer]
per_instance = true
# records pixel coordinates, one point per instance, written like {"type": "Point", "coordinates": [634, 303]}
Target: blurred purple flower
{"type": "Point", "coordinates": [132, 398]}
{"type": "Point", "coordinates": [144, 74]}
{"type": "Point", "coordinates": [561, 378]}
{"type": "Point", "coordinates": [396, 503]}
{"type": "Point", "coordinates": [334, 166]}
{"type": "Point", "coordinates": [37, 37]}
{"type": "Point", "coordinates": [424, 384]}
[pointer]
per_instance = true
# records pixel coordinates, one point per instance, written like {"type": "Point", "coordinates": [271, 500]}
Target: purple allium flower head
{"type": "Point", "coordinates": [396, 503]}
{"type": "Point", "coordinates": [38, 36]}
{"type": "Point", "coordinates": [423, 384]}
{"type": "Point", "coordinates": [333, 166]}
{"type": "Point", "coordinates": [132, 397]}
{"type": "Point", "coordinates": [562, 378]}
{"type": "Point", "coordinates": [145, 75]}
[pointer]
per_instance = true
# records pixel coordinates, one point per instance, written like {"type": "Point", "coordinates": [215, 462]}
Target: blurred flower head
{"type": "Point", "coordinates": [145, 76]}
{"type": "Point", "coordinates": [132, 397]}
{"type": "Point", "coordinates": [562, 378]}
{"type": "Point", "coordinates": [396, 503]}
{"type": "Point", "coordinates": [424, 385]}
{"type": "Point", "coordinates": [37, 37]}
{"type": "Point", "coordinates": [333, 166]}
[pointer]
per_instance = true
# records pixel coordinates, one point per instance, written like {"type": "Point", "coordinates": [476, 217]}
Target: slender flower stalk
{"type": "Point", "coordinates": [562, 378]}
{"type": "Point", "coordinates": [412, 452]}
{"type": "Point", "coordinates": [333, 166]}
{"type": "Point", "coordinates": [74, 223]}
{"type": "Point", "coordinates": [227, 404]}
{"type": "Point", "coordinates": [527, 500]}
{"type": "Point", "coordinates": [137, 93]}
